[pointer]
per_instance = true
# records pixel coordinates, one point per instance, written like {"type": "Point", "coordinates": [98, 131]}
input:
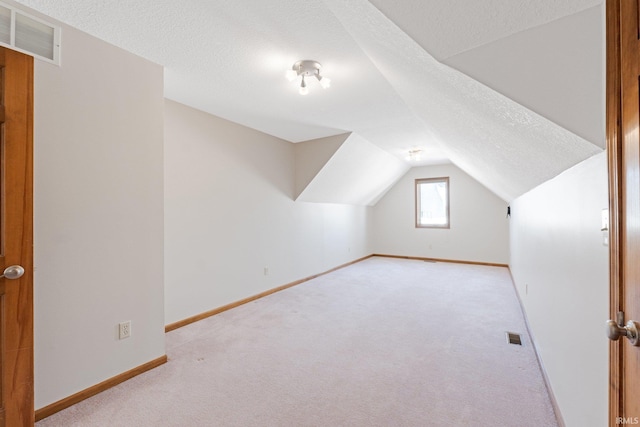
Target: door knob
{"type": "Point", "coordinates": [630, 330]}
{"type": "Point", "coordinates": [13, 272]}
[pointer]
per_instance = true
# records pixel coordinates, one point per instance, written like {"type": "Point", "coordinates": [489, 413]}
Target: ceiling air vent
{"type": "Point", "coordinates": [28, 34]}
{"type": "Point", "coordinates": [513, 338]}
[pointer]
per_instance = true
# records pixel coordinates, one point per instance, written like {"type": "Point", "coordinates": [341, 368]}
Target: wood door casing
{"type": "Point", "coordinates": [16, 238]}
{"type": "Point", "coordinates": [623, 144]}
{"type": "Point", "coordinates": [614, 167]}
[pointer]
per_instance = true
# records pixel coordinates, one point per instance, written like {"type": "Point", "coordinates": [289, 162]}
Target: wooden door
{"type": "Point", "coordinates": [16, 242]}
{"type": "Point", "coordinates": [623, 143]}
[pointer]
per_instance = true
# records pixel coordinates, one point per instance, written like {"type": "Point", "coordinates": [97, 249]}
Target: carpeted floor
{"type": "Point", "coordinates": [385, 342]}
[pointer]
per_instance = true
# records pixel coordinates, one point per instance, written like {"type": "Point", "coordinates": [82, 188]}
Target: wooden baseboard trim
{"type": "Point", "coordinates": [173, 326]}
{"type": "Point", "coordinates": [93, 390]}
{"type": "Point", "coordinates": [490, 264]}
{"type": "Point", "coordinates": [545, 377]}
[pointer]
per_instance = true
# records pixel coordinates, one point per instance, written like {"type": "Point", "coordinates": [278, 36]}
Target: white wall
{"type": "Point", "coordinates": [479, 228]}
{"type": "Point", "coordinates": [98, 215]}
{"type": "Point", "coordinates": [560, 267]}
{"type": "Point", "coordinates": [230, 213]}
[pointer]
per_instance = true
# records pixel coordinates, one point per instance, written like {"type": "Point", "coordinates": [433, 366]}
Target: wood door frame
{"type": "Point", "coordinates": [616, 216]}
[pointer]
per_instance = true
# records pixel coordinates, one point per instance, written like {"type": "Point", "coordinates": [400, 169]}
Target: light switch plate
{"type": "Point", "coordinates": [605, 219]}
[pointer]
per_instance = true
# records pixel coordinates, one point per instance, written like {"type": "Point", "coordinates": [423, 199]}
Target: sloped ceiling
{"type": "Point", "coordinates": [448, 27]}
{"type": "Point", "coordinates": [505, 146]}
{"type": "Point", "coordinates": [311, 156]}
{"type": "Point", "coordinates": [358, 173]}
{"type": "Point", "coordinates": [228, 59]}
{"type": "Point", "coordinates": [555, 69]}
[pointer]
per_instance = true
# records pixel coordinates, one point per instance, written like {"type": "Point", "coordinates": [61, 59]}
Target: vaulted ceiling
{"type": "Point", "coordinates": [510, 91]}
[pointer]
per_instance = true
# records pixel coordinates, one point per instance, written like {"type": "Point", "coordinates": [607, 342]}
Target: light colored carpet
{"type": "Point", "coordinates": [385, 342]}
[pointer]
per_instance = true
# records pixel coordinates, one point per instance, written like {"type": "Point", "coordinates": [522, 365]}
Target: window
{"type": "Point", "coordinates": [432, 203]}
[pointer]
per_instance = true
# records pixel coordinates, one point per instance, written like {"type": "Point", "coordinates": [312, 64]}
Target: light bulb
{"type": "Point", "coordinates": [291, 75]}
{"type": "Point", "coordinates": [303, 87]}
{"type": "Point", "coordinates": [325, 82]}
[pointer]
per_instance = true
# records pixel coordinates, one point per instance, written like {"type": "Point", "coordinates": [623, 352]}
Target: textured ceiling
{"type": "Point", "coordinates": [505, 146]}
{"type": "Point", "coordinates": [448, 27]}
{"type": "Point", "coordinates": [556, 69]}
{"type": "Point", "coordinates": [228, 59]}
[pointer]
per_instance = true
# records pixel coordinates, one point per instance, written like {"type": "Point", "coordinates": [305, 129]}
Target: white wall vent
{"type": "Point", "coordinates": [28, 34]}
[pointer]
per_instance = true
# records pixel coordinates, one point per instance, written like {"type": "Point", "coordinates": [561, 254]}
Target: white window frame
{"type": "Point", "coordinates": [418, 202]}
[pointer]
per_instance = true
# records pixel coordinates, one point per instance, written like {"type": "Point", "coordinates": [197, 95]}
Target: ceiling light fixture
{"type": "Point", "coordinates": [307, 68]}
{"type": "Point", "coordinates": [414, 155]}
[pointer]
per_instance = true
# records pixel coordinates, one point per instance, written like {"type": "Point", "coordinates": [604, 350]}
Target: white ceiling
{"type": "Point", "coordinates": [448, 27]}
{"type": "Point", "coordinates": [229, 58]}
{"type": "Point", "coordinates": [500, 143]}
{"type": "Point", "coordinates": [555, 69]}
{"type": "Point", "coordinates": [341, 180]}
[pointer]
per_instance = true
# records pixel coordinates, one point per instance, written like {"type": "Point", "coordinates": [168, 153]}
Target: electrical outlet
{"type": "Point", "coordinates": [125, 330]}
{"type": "Point", "coordinates": [266, 271]}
